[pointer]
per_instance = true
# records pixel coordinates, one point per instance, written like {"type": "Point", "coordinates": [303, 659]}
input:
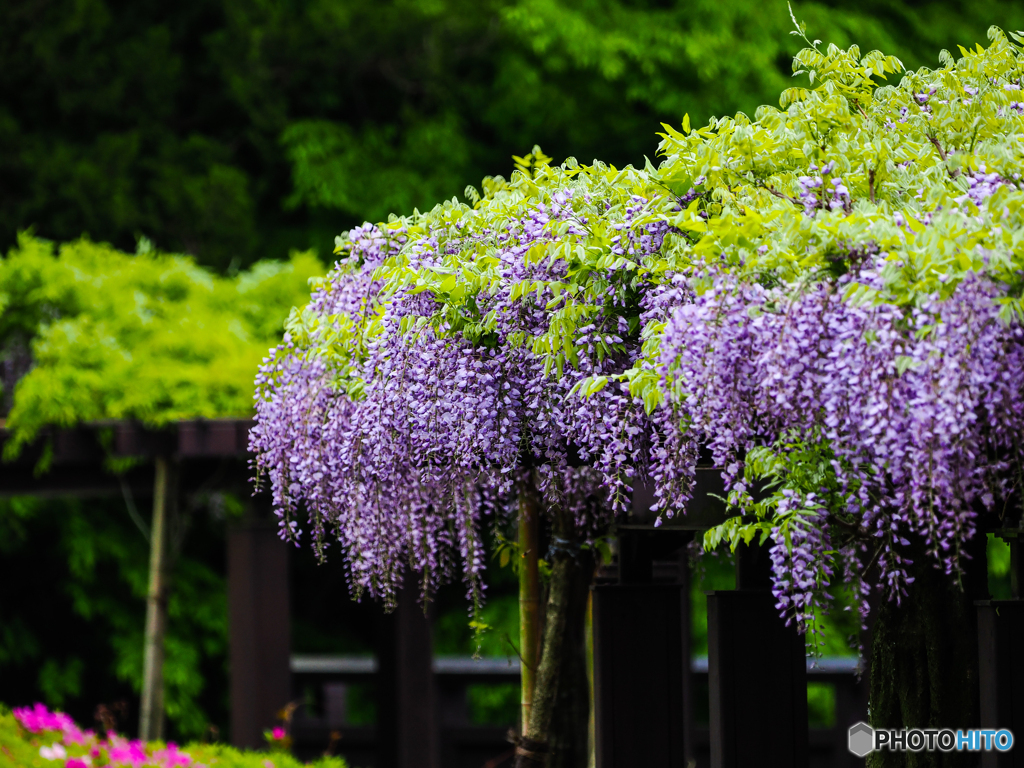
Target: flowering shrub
{"type": "Point", "coordinates": [826, 296]}
{"type": "Point", "coordinates": [72, 747]}
{"type": "Point", "coordinates": [35, 736]}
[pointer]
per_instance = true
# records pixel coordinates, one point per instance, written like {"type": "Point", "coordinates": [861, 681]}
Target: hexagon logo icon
{"type": "Point", "coordinates": [861, 739]}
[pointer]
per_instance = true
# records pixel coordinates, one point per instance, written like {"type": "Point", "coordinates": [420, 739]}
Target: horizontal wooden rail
{"type": "Point", "coordinates": [210, 452]}
{"type": "Point", "coordinates": [500, 668]}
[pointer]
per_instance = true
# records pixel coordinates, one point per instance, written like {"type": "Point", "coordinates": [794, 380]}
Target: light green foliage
{"type": "Point", "coordinates": [913, 164]}
{"type": "Point", "coordinates": [898, 160]}
{"type": "Point", "coordinates": [222, 756]}
{"type": "Point", "coordinates": [591, 79]}
{"type": "Point", "coordinates": [147, 336]}
{"type": "Point", "coordinates": [17, 751]}
{"type": "Point", "coordinates": [747, 212]}
{"type": "Point", "coordinates": [144, 336]}
{"type": "Point", "coordinates": [473, 268]}
{"type": "Point", "coordinates": [998, 557]}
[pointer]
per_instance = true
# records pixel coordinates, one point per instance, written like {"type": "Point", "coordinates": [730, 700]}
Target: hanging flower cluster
{"type": "Point", "coordinates": [827, 298]}
{"type": "Point", "coordinates": [921, 410]}
{"type": "Point", "coordinates": [399, 442]}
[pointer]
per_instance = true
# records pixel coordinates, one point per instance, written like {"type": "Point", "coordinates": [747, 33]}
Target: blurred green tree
{"type": "Point", "coordinates": [238, 129]}
{"type": "Point", "coordinates": [88, 332]}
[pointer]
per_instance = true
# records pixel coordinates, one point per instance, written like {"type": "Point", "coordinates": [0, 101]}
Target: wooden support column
{"type": "Point", "coordinates": [757, 675]}
{"type": "Point", "coordinates": [1000, 664]}
{"type": "Point", "coordinates": [408, 733]}
{"type": "Point", "coordinates": [165, 495]}
{"type": "Point", "coordinates": [260, 629]}
{"type": "Point", "coordinates": [1001, 675]}
{"type": "Point", "coordinates": [642, 658]}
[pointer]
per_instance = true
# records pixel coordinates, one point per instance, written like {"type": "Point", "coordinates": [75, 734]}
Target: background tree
{"type": "Point", "coordinates": [238, 130]}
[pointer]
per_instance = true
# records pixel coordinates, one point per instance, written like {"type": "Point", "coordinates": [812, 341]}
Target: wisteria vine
{"type": "Point", "coordinates": [826, 298]}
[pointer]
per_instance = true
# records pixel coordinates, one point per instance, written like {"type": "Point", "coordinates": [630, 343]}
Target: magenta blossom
{"type": "Point", "coordinates": [127, 753]}
{"type": "Point", "coordinates": [38, 718]}
{"type": "Point", "coordinates": [171, 757]}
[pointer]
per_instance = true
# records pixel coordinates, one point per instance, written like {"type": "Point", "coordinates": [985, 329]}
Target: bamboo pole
{"type": "Point", "coordinates": [151, 710]}
{"type": "Point", "coordinates": [529, 595]}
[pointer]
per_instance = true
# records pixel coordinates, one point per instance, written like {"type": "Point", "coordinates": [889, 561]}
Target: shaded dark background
{"type": "Point", "coordinates": [238, 129]}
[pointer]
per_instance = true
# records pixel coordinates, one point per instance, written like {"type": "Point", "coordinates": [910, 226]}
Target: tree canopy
{"type": "Point", "coordinates": [826, 295]}
{"type": "Point", "coordinates": [237, 130]}
{"type": "Point", "coordinates": [90, 333]}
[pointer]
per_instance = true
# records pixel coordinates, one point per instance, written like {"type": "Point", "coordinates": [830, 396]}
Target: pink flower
{"type": "Point", "coordinates": [77, 762]}
{"type": "Point", "coordinates": [56, 752]}
{"type": "Point", "coordinates": [39, 718]}
{"type": "Point", "coordinates": [172, 757]}
{"type": "Point", "coordinates": [75, 735]}
{"type": "Point", "coordinates": [127, 753]}
{"type": "Point", "coordinates": [278, 733]}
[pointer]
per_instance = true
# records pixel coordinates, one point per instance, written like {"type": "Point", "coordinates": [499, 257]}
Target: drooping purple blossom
{"type": "Point", "coordinates": [400, 456]}
{"type": "Point", "coordinates": [922, 408]}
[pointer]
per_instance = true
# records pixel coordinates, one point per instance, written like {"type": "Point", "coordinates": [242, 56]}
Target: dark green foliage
{"type": "Point", "coordinates": [237, 129]}
{"type": "Point", "coordinates": [73, 581]}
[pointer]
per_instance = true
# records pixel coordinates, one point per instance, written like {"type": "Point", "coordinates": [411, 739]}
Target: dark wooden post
{"type": "Point", "coordinates": [1000, 665]}
{"type": "Point", "coordinates": [851, 694]}
{"type": "Point", "coordinates": [1001, 675]}
{"type": "Point", "coordinates": [260, 629]}
{"type": "Point", "coordinates": [407, 720]}
{"type": "Point", "coordinates": [757, 675]}
{"type": "Point", "coordinates": [642, 658]}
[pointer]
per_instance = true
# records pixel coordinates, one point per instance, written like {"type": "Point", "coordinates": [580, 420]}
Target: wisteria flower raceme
{"type": "Point", "coordinates": [919, 410]}
{"type": "Point", "coordinates": [424, 426]}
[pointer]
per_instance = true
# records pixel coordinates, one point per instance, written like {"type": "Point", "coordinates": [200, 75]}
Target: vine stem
{"type": "Point", "coordinates": [529, 594]}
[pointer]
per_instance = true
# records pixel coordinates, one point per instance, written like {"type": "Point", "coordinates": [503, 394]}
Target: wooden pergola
{"type": "Point", "coordinates": [207, 454]}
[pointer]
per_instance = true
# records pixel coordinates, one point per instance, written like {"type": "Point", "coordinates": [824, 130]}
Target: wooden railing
{"type": "Point", "coordinates": [324, 686]}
